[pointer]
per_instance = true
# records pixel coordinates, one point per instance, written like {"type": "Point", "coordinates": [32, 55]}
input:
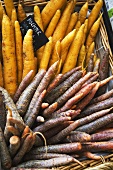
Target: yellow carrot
{"type": "Point", "coordinates": [61, 28]}
{"type": "Point", "coordinates": [77, 26]}
{"type": "Point", "coordinates": [46, 55]}
{"type": "Point", "coordinates": [93, 32]}
{"type": "Point", "coordinates": [13, 17]}
{"type": "Point", "coordinates": [94, 13]}
{"type": "Point", "coordinates": [72, 22]}
{"type": "Point", "coordinates": [1, 75]}
{"type": "Point", "coordinates": [21, 15]}
{"type": "Point", "coordinates": [83, 13]}
{"type": "Point", "coordinates": [65, 44]}
{"type": "Point", "coordinates": [85, 31]}
{"type": "Point", "coordinates": [18, 46]}
{"type": "Point", "coordinates": [72, 55]}
{"type": "Point", "coordinates": [56, 53]}
{"type": "Point", "coordinates": [49, 11]}
{"type": "Point", "coordinates": [81, 57]}
{"type": "Point", "coordinates": [53, 23]}
{"type": "Point", "coordinates": [90, 50]}
{"type": "Point", "coordinates": [9, 58]}
{"type": "Point", "coordinates": [37, 17]}
{"type": "Point", "coordinates": [28, 53]}
{"type": "Point", "coordinates": [1, 14]}
{"type": "Point", "coordinates": [9, 5]}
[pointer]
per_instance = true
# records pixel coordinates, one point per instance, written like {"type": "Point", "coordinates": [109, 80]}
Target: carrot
{"type": "Point", "coordinates": [90, 51]}
{"type": "Point", "coordinates": [18, 123]}
{"type": "Point", "coordinates": [62, 25]}
{"type": "Point", "coordinates": [92, 79]}
{"type": "Point", "coordinates": [71, 113]}
{"type": "Point", "coordinates": [101, 136]}
{"type": "Point", "coordinates": [98, 123]}
{"type": "Point", "coordinates": [13, 130]}
{"type": "Point", "coordinates": [21, 15]}
{"type": "Point", "coordinates": [94, 13]}
{"type": "Point", "coordinates": [90, 155]}
{"type": "Point", "coordinates": [32, 116]}
{"type": "Point", "coordinates": [96, 65]}
{"type": "Point", "coordinates": [1, 14]}
{"type": "Point", "coordinates": [2, 113]}
{"type": "Point", "coordinates": [53, 23]}
{"type": "Point", "coordinates": [6, 161]}
{"type": "Point", "coordinates": [54, 83]}
{"type": "Point", "coordinates": [77, 136]}
{"type": "Point", "coordinates": [93, 32]}
{"type": "Point", "coordinates": [49, 110]}
{"type": "Point", "coordinates": [25, 131]}
{"type": "Point", "coordinates": [85, 31]}
{"type": "Point", "coordinates": [77, 26]}
{"type": "Point", "coordinates": [23, 149]}
{"type": "Point", "coordinates": [50, 124]}
{"type": "Point", "coordinates": [72, 55]}
{"type": "Point", "coordinates": [65, 85]}
{"type": "Point", "coordinates": [81, 57]}
{"type": "Point", "coordinates": [102, 97]}
{"type": "Point", "coordinates": [40, 119]}
{"type": "Point", "coordinates": [105, 81]}
{"type": "Point", "coordinates": [65, 44]}
{"type": "Point", "coordinates": [9, 5]}
{"type": "Point", "coordinates": [42, 85]}
{"type": "Point", "coordinates": [104, 70]}
{"type": "Point", "coordinates": [24, 100]}
{"type": "Point", "coordinates": [62, 148]}
{"type": "Point", "coordinates": [14, 145]}
{"type": "Point", "coordinates": [72, 22]}
{"type": "Point", "coordinates": [59, 161]}
{"type": "Point", "coordinates": [49, 11]}
{"type": "Point", "coordinates": [23, 85]}
{"type": "Point", "coordinates": [83, 12]}
{"type": "Point", "coordinates": [85, 101]}
{"type": "Point", "coordinates": [37, 17]}
{"type": "Point", "coordinates": [90, 64]}
{"type": "Point", "coordinates": [98, 106]}
{"type": "Point", "coordinates": [73, 89]}
{"type": "Point", "coordinates": [44, 105]}
{"type": "Point", "coordinates": [9, 58]}
{"type": "Point", "coordinates": [13, 17]}
{"type": "Point", "coordinates": [98, 146]}
{"type": "Point", "coordinates": [18, 49]}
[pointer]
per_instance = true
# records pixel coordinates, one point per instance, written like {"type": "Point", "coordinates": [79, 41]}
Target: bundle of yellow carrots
{"type": "Point", "coordinates": [71, 37]}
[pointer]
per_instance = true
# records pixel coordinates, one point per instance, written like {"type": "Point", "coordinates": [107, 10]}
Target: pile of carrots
{"type": "Point", "coordinates": [54, 103]}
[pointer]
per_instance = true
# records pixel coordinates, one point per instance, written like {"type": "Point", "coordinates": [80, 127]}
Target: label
{"type": "Point", "coordinates": [39, 38]}
{"type": "Point", "coordinates": [109, 7]}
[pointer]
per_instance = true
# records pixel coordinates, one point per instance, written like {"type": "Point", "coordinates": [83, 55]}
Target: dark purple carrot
{"type": "Point", "coordinates": [2, 112]}
{"type": "Point", "coordinates": [65, 132]}
{"type": "Point", "coordinates": [5, 157]}
{"type": "Point", "coordinates": [25, 98]}
{"type": "Point", "coordinates": [50, 124]}
{"type": "Point", "coordinates": [102, 97]}
{"type": "Point", "coordinates": [66, 107]}
{"type": "Point", "coordinates": [13, 130]}
{"type": "Point", "coordinates": [90, 63]}
{"type": "Point", "coordinates": [85, 101]}
{"type": "Point", "coordinates": [73, 89]}
{"type": "Point", "coordinates": [92, 79]}
{"type": "Point", "coordinates": [59, 90]}
{"type": "Point", "coordinates": [90, 155]}
{"type": "Point", "coordinates": [77, 136]}
{"type": "Point", "coordinates": [33, 115]}
{"type": "Point", "coordinates": [104, 70]}
{"type": "Point", "coordinates": [14, 144]}
{"type": "Point", "coordinates": [42, 85]}
{"type": "Point", "coordinates": [53, 162]}
{"type": "Point", "coordinates": [49, 110]}
{"type": "Point", "coordinates": [23, 149]}
{"type": "Point", "coordinates": [54, 83]}
{"type": "Point", "coordinates": [97, 146]}
{"type": "Point", "coordinates": [62, 148]}
{"type": "Point", "coordinates": [102, 136]}
{"type": "Point", "coordinates": [97, 106]}
{"type": "Point", "coordinates": [22, 86]}
{"type": "Point", "coordinates": [98, 123]}
{"type": "Point", "coordinates": [17, 122]}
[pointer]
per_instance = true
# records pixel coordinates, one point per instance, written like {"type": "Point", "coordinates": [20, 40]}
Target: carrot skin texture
{"type": "Point", "coordinates": [25, 82]}
{"type": "Point", "coordinates": [6, 161]}
{"type": "Point", "coordinates": [49, 110]}
{"type": "Point", "coordinates": [24, 99]}
{"type": "Point", "coordinates": [77, 136]}
{"type": "Point", "coordinates": [59, 90]}
{"type": "Point", "coordinates": [2, 113]}
{"type": "Point", "coordinates": [101, 136]}
{"type": "Point", "coordinates": [98, 123]}
{"type": "Point", "coordinates": [42, 85]}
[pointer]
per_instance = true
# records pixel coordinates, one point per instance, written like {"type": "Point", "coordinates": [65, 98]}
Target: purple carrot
{"type": "Point", "coordinates": [2, 112]}
{"type": "Point", "coordinates": [49, 110]}
{"type": "Point", "coordinates": [25, 98]}
{"type": "Point", "coordinates": [102, 136]}
{"type": "Point", "coordinates": [90, 63]}
{"type": "Point", "coordinates": [22, 86]}
{"type": "Point", "coordinates": [91, 80]}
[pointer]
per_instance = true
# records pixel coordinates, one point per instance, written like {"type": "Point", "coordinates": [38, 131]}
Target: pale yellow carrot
{"type": "Point", "coordinates": [81, 57]}
{"type": "Point", "coordinates": [9, 5]}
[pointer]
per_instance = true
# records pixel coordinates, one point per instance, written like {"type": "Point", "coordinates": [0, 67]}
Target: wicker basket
{"type": "Point", "coordinates": [102, 43]}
